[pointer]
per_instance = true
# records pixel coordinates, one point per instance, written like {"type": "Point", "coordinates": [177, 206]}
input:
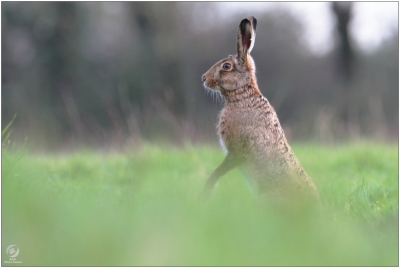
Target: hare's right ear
{"type": "Point", "coordinates": [245, 38]}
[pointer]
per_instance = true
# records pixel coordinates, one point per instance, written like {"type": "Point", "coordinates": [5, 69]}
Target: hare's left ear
{"type": "Point", "coordinates": [246, 37]}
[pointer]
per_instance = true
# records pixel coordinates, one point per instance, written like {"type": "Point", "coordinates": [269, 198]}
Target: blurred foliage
{"type": "Point", "coordinates": [141, 208]}
{"type": "Point", "coordinates": [114, 73]}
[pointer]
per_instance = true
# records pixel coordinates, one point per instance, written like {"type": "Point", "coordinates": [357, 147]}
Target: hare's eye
{"type": "Point", "coordinates": [226, 66]}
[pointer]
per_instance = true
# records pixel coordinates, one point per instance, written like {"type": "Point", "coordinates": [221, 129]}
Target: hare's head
{"type": "Point", "coordinates": [236, 70]}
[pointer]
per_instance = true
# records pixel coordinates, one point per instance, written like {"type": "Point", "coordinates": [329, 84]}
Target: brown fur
{"type": "Point", "coordinates": [249, 128]}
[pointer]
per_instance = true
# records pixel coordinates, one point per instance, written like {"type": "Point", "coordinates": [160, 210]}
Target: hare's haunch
{"type": "Point", "coordinates": [249, 129]}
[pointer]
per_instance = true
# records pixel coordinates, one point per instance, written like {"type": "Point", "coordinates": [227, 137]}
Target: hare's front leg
{"type": "Point", "coordinates": [230, 162]}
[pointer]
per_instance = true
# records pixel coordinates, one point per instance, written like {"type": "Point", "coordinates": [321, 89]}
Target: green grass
{"type": "Point", "coordinates": [141, 208]}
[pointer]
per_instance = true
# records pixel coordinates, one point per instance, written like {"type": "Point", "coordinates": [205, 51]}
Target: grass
{"type": "Point", "coordinates": [141, 209]}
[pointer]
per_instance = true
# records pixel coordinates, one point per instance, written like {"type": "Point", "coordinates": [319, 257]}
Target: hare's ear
{"type": "Point", "coordinates": [246, 37]}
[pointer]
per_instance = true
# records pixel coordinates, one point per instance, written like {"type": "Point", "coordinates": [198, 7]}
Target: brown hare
{"type": "Point", "coordinates": [249, 129]}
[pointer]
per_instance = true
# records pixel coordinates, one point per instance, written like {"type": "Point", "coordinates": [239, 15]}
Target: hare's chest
{"type": "Point", "coordinates": [224, 132]}
{"type": "Point", "coordinates": [230, 128]}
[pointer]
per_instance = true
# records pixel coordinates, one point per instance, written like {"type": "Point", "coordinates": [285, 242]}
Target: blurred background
{"type": "Point", "coordinates": [116, 74]}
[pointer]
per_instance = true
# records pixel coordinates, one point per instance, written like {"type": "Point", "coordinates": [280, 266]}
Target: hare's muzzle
{"type": "Point", "coordinates": [203, 77]}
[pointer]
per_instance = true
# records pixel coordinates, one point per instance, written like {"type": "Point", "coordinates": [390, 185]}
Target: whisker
{"type": "Point", "coordinates": [215, 95]}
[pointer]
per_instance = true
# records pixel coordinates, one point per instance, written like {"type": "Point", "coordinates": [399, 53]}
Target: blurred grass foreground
{"type": "Point", "coordinates": [141, 209]}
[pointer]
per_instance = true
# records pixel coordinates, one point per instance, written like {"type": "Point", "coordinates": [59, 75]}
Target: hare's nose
{"type": "Point", "coordinates": [203, 78]}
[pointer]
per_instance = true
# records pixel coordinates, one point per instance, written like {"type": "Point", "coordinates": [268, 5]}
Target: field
{"type": "Point", "coordinates": [141, 208]}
